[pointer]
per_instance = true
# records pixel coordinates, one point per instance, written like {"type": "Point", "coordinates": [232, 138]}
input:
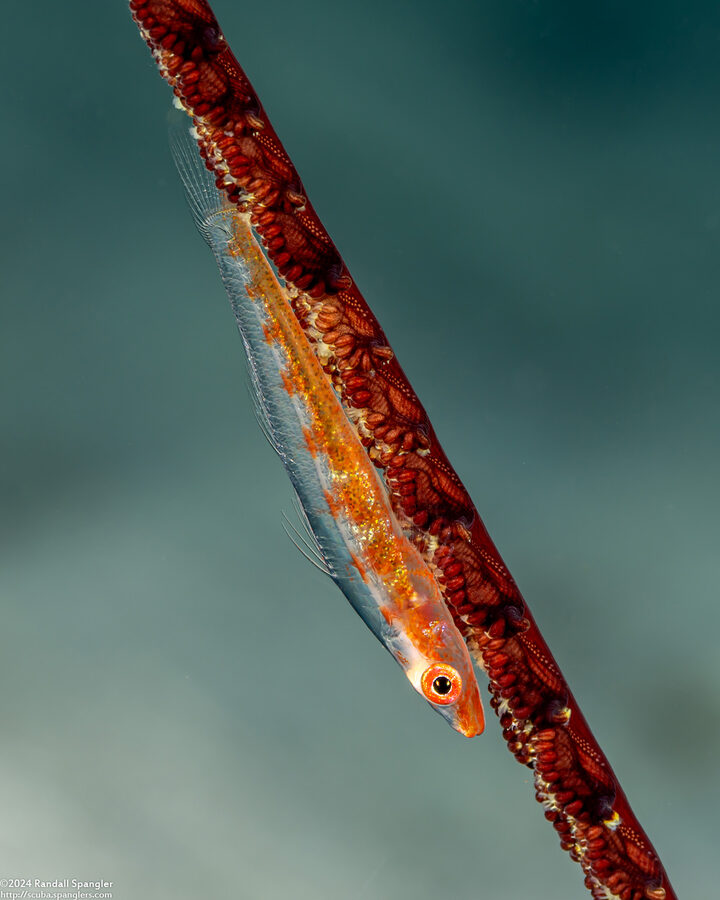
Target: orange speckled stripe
{"type": "Point", "coordinates": [357, 493]}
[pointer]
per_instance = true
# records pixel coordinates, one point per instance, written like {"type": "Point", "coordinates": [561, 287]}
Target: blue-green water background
{"type": "Point", "coordinates": [528, 195]}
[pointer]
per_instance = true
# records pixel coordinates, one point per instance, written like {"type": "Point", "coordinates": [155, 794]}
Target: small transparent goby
{"type": "Point", "coordinates": [352, 530]}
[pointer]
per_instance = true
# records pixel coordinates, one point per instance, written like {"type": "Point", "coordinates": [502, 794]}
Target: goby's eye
{"type": "Point", "coordinates": [441, 684]}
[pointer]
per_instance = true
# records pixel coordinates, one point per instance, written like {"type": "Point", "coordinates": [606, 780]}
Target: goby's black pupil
{"type": "Point", "coordinates": [442, 685]}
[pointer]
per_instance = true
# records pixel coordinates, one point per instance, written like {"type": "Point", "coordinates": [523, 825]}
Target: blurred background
{"type": "Point", "coordinates": [528, 195]}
